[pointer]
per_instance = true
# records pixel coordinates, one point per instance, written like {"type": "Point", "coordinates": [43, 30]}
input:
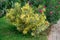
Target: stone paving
{"type": "Point", "coordinates": [55, 32]}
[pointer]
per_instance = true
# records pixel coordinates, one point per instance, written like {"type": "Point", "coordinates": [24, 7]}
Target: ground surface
{"type": "Point", "coordinates": [9, 32]}
{"type": "Point", "coordinates": [55, 32]}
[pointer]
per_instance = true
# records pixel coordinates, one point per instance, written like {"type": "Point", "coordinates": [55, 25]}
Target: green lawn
{"type": "Point", "coordinates": [9, 32]}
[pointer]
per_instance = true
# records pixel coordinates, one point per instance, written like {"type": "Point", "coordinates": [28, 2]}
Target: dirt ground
{"type": "Point", "coordinates": [55, 32]}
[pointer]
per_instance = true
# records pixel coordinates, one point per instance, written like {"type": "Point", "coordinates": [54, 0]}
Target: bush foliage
{"type": "Point", "coordinates": [27, 20]}
{"type": "Point", "coordinates": [31, 16]}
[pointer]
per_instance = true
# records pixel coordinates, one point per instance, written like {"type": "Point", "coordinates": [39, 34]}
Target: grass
{"type": "Point", "coordinates": [9, 32]}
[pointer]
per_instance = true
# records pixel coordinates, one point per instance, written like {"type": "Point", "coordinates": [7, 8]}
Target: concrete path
{"type": "Point", "coordinates": [55, 32]}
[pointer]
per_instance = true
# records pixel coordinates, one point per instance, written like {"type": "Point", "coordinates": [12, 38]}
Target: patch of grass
{"type": "Point", "coordinates": [9, 32]}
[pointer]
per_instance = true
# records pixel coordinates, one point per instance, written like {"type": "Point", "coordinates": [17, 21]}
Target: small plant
{"type": "Point", "coordinates": [53, 11]}
{"type": "Point", "coordinates": [27, 20]}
